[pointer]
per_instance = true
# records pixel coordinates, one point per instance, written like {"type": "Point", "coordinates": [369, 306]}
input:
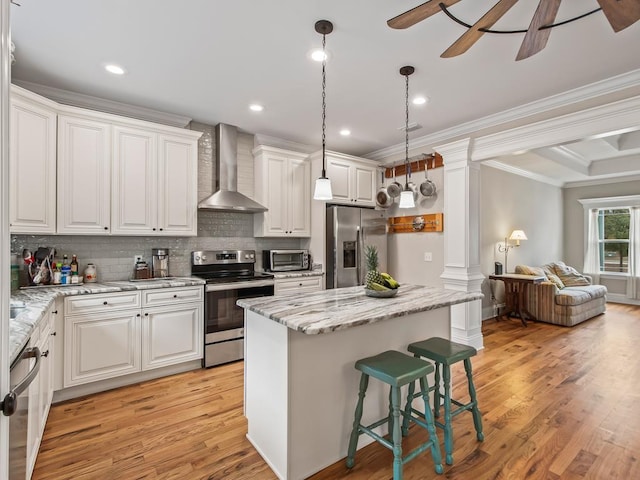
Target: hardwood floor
{"type": "Point", "coordinates": [557, 403]}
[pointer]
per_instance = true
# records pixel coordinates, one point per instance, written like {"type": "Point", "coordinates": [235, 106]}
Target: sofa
{"type": "Point", "coordinates": [566, 297]}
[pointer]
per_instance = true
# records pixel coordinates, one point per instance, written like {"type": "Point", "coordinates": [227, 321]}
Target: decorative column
{"type": "Point", "coordinates": [462, 239]}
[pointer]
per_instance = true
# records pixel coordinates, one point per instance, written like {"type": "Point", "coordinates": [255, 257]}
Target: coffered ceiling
{"type": "Point", "coordinates": [209, 59]}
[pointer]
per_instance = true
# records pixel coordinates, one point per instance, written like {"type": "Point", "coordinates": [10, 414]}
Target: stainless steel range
{"type": "Point", "coordinates": [230, 275]}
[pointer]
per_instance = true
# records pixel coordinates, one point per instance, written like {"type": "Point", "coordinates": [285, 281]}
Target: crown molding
{"type": "Point", "coordinates": [580, 94]}
{"type": "Point", "coordinates": [523, 173]}
{"type": "Point", "coordinates": [269, 141]}
{"type": "Point", "coordinates": [601, 181]}
{"type": "Point", "coordinates": [103, 105]}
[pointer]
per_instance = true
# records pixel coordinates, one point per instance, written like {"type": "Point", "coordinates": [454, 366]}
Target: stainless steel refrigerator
{"type": "Point", "coordinates": [349, 229]}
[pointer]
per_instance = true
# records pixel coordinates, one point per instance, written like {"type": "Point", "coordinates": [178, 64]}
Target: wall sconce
{"type": "Point", "coordinates": [516, 235]}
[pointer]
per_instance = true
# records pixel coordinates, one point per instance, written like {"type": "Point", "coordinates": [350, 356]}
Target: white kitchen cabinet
{"type": "Point", "coordinates": [171, 334]}
{"type": "Point", "coordinates": [353, 182]}
{"type": "Point", "coordinates": [292, 286]}
{"type": "Point", "coordinates": [84, 176]}
{"type": "Point", "coordinates": [283, 185]}
{"type": "Point", "coordinates": [114, 334]}
{"type": "Point", "coordinates": [134, 207]}
{"type": "Point", "coordinates": [32, 164]}
{"type": "Point", "coordinates": [177, 185]}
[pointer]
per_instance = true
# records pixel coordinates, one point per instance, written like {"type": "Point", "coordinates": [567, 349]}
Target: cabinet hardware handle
{"type": "Point", "coordinates": [154, 229]}
{"type": "Point", "coordinates": [138, 315]}
{"type": "Point", "coordinates": [55, 312]}
{"type": "Point", "coordinates": [299, 284]}
{"type": "Point", "coordinates": [106, 228]}
{"type": "Point", "coordinates": [104, 303]}
{"type": "Point", "coordinates": [53, 334]}
{"type": "Point", "coordinates": [45, 354]}
{"type": "Point", "coordinates": [161, 229]}
{"type": "Point", "coordinates": [146, 314]}
{"type": "Point", "coordinates": [175, 296]}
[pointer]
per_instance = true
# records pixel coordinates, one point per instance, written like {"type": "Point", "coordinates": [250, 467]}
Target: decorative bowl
{"type": "Point", "coordinates": [380, 293]}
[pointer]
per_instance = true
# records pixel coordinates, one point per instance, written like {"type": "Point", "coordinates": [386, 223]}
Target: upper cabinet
{"type": "Point", "coordinates": [353, 179]}
{"type": "Point", "coordinates": [84, 176]}
{"type": "Point", "coordinates": [283, 185]}
{"type": "Point", "coordinates": [32, 165]}
{"type": "Point", "coordinates": [115, 175]}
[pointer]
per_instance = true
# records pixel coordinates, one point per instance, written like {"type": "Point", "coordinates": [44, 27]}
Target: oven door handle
{"type": "Point", "coordinates": [10, 402]}
{"type": "Point", "coordinates": [239, 285]}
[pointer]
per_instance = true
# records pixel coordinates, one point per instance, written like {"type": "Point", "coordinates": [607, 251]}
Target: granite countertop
{"type": "Point", "coordinates": [38, 299]}
{"type": "Point", "coordinates": [338, 309]}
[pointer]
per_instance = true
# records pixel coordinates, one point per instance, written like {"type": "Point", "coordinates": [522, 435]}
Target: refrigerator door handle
{"type": "Point", "coordinates": [358, 255]}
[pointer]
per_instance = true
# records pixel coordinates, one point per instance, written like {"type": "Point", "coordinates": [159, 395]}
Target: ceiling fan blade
{"type": "Point", "coordinates": [621, 13]}
{"type": "Point", "coordinates": [471, 36]}
{"type": "Point", "coordinates": [419, 13]}
{"type": "Point", "coordinates": [536, 39]}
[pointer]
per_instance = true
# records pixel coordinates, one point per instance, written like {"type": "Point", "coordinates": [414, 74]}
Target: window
{"type": "Point", "coordinates": [613, 239]}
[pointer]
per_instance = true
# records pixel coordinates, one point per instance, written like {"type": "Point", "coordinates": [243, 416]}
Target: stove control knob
{"type": "Point", "coordinates": [251, 255]}
{"type": "Point", "coordinates": [197, 258]}
{"type": "Point", "coordinates": [204, 257]}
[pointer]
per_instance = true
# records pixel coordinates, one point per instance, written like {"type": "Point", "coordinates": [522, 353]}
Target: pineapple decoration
{"type": "Point", "coordinates": [376, 280]}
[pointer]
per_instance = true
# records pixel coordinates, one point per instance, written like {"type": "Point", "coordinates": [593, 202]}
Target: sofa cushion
{"type": "Point", "coordinates": [568, 275]}
{"type": "Point", "coordinates": [580, 295]}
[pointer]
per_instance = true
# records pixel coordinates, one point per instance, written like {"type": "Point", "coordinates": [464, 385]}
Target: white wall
{"type": "Point", "coordinates": [509, 202]}
{"type": "Point", "coordinates": [574, 228]}
{"type": "Point", "coordinates": [406, 250]}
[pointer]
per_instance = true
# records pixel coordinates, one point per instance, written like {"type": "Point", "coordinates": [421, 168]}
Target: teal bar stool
{"type": "Point", "coordinates": [445, 353]}
{"type": "Point", "coordinates": [396, 369]}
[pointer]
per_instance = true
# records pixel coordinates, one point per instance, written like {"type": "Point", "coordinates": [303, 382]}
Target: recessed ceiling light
{"type": "Point", "coordinates": [115, 69]}
{"type": "Point", "coordinates": [256, 108]}
{"type": "Point", "coordinates": [420, 100]}
{"type": "Point", "coordinates": [345, 132]}
{"type": "Point", "coordinates": [318, 55]}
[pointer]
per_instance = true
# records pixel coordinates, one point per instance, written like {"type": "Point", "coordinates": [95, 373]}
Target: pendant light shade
{"type": "Point", "coordinates": [406, 196]}
{"type": "Point", "coordinates": [322, 190]}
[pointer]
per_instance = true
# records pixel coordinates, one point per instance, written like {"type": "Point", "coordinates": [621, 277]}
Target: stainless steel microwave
{"type": "Point", "coordinates": [285, 260]}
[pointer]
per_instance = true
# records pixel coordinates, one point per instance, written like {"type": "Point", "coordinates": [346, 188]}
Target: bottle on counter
{"type": "Point", "coordinates": [65, 260]}
{"type": "Point", "coordinates": [57, 273]}
{"type": "Point", "coordinates": [65, 271]}
{"type": "Point", "coordinates": [90, 273]}
{"type": "Point", "coordinates": [74, 265]}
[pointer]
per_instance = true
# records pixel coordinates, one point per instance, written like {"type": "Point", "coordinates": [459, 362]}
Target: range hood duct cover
{"type": "Point", "coordinates": [226, 197]}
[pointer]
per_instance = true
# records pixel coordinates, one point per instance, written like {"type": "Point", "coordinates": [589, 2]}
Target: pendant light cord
{"type": "Point", "coordinates": [324, 105]}
{"type": "Point", "coordinates": [406, 132]}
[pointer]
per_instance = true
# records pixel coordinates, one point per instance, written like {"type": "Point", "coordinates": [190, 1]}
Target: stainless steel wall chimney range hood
{"type": "Point", "coordinates": [226, 197]}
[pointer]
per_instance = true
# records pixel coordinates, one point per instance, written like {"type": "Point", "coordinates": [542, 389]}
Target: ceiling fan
{"type": "Point", "coordinates": [619, 13]}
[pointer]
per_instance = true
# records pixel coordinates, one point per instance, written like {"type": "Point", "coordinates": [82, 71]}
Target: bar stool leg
{"type": "Point", "coordinates": [436, 392]}
{"type": "Point", "coordinates": [390, 421]}
{"type": "Point", "coordinates": [396, 434]}
{"type": "Point", "coordinates": [355, 433]}
{"type": "Point", "coordinates": [435, 445]}
{"type": "Point", "coordinates": [477, 418]}
{"type": "Point", "coordinates": [448, 429]}
{"type": "Point", "coordinates": [407, 409]}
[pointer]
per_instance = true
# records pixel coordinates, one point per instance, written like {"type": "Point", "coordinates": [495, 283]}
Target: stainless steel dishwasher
{"type": "Point", "coordinates": [16, 405]}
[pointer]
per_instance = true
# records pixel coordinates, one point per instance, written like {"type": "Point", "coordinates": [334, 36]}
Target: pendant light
{"type": "Point", "coordinates": [406, 196]}
{"type": "Point", "coordinates": [323, 184]}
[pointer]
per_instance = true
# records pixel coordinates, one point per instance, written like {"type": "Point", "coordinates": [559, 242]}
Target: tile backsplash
{"type": "Point", "coordinates": [113, 255]}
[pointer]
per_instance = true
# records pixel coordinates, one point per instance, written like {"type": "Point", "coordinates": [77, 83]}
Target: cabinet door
{"type": "Point", "coordinates": [46, 380]}
{"type": "Point", "coordinates": [364, 188]}
{"type": "Point", "coordinates": [34, 415]}
{"type": "Point", "coordinates": [84, 176]}
{"type": "Point", "coordinates": [177, 187]}
{"type": "Point", "coordinates": [299, 200]}
{"type": "Point", "coordinates": [101, 346]}
{"type": "Point", "coordinates": [339, 172]}
{"type": "Point", "coordinates": [32, 169]}
{"type": "Point", "coordinates": [276, 218]}
{"type": "Point", "coordinates": [135, 196]}
{"type": "Point", "coordinates": [171, 335]}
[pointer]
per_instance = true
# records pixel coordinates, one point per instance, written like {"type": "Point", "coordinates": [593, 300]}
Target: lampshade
{"type": "Point", "coordinates": [323, 189]}
{"type": "Point", "coordinates": [406, 199]}
{"type": "Point", "coordinates": [517, 235]}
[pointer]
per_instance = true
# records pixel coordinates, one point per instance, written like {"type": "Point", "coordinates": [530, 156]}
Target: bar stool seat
{"type": "Point", "coordinates": [395, 369]}
{"type": "Point", "coordinates": [445, 353]}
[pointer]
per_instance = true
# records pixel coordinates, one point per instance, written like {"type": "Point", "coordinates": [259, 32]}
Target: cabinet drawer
{"type": "Point", "coordinates": [99, 303]}
{"type": "Point", "coordinates": [298, 285]}
{"type": "Point", "coordinates": [163, 296]}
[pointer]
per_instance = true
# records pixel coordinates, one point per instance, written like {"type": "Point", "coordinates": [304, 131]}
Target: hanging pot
{"type": "Point", "coordinates": [412, 186]}
{"type": "Point", "coordinates": [383, 199]}
{"type": "Point", "coordinates": [427, 188]}
{"type": "Point", "coordinates": [394, 189]}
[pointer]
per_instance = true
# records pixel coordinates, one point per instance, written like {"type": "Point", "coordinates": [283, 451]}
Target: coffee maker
{"type": "Point", "coordinates": [160, 262]}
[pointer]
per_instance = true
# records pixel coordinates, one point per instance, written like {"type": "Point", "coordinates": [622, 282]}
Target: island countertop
{"type": "Point", "coordinates": [338, 309]}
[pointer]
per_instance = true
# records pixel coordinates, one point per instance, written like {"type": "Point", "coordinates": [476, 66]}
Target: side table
{"type": "Point", "coordinates": [515, 286]}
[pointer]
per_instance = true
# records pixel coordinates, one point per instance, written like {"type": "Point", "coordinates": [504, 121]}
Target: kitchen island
{"type": "Point", "coordinates": [300, 382]}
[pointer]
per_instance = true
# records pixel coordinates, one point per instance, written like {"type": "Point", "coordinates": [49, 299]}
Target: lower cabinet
{"type": "Point", "coordinates": [290, 286]}
{"type": "Point", "coordinates": [106, 338]}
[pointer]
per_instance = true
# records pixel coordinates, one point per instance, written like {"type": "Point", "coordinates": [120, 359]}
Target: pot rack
{"type": "Point", "coordinates": [428, 222]}
{"type": "Point", "coordinates": [418, 164]}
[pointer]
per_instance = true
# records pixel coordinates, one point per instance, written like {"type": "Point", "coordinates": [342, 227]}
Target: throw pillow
{"type": "Point", "coordinates": [527, 270]}
{"type": "Point", "coordinates": [555, 280]}
{"type": "Point", "coordinates": [569, 275]}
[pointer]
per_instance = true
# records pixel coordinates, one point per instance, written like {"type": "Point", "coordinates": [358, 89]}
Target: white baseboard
{"type": "Point", "coordinates": [491, 311]}
{"type": "Point", "coordinates": [619, 298]}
